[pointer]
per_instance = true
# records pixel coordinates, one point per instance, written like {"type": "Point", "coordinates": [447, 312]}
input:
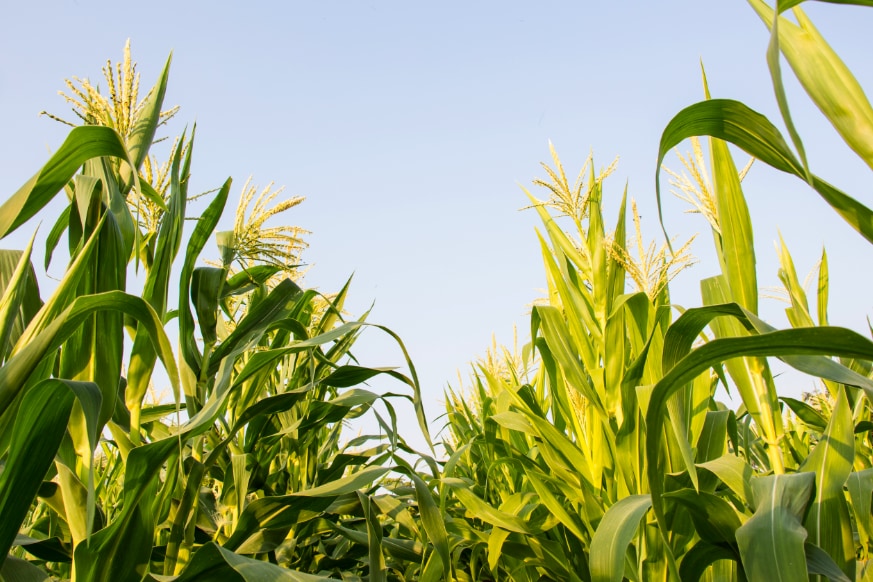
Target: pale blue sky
{"type": "Point", "coordinates": [409, 127]}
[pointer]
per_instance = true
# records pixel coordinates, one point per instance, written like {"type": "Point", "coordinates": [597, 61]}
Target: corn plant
{"type": "Point", "coordinates": [602, 453]}
{"type": "Point", "coordinates": [245, 472]}
{"type": "Point", "coordinates": [556, 436]}
{"type": "Point", "coordinates": [821, 514]}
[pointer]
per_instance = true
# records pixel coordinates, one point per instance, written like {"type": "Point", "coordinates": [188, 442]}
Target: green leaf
{"type": "Point", "coordinates": [39, 428]}
{"type": "Point", "coordinates": [347, 484]}
{"type": "Point", "coordinates": [95, 351]}
{"type": "Point", "coordinates": [734, 472]}
{"type": "Point", "coordinates": [787, 4]}
{"type": "Point", "coordinates": [281, 512]}
{"type": "Point", "coordinates": [16, 371]}
{"type": "Point", "coordinates": [212, 563]}
{"type": "Point", "coordinates": [18, 570]}
{"type": "Point", "coordinates": [142, 134]}
{"type": "Point", "coordinates": [432, 520]}
{"type": "Point", "coordinates": [700, 557]}
{"type": "Point", "coordinates": [376, 559]}
{"type": "Point", "coordinates": [82, 144]}
{"type": "Point", "coordinates": [828, 522]}
{"type": "Point", "coordinates": [860, 486]}
{"type": "Point", "coordinates": [202, 231]}
{"type": "Point", "coordinates": [559, 506]}
{"type": "Point", "coordinates": [51, 549]}
{"type": "Point", "coordinates": [792, 342]}
{"type": "Point", "coordinates": [64, 293]}
{"type": "Point", "coordinates": [715, 520]}
{"type": "Point", "coordinates": [613, 536]}
{"type": "Point", "coordinates": [736, 123]}
{"type": "Point", "coordinates": [819, 562]}
{"type": "Point", "coordinates": [825, 77]}
{"type": "Point", "coordinates": [680, 336]}
{"type": "Point", "coordinates": [249, 279]}
{"type": "Point", "coordinates": [346, 376]}
{"type": "Point", "coordinates": [712, 443]}
{"type": "Point", "coordinates": [273, 514]}
{"type": "Point", "coordinates": [737, 239]}
{"type": "Point", "coordinates": [484, 511]}
{"type": "Point", "coordinates": [54, 235]}
{"type": "Point", "coordinates": [143, 354]}
{"type": "Point", "coordinates": [272, 308]}
{"type": "Point", "coordinates": [20, 296]}
{"type": "Point", "coordinates": [771, 542]}
{"type": "Point", "coordinates": [823, 286]}
{"type": "Point", "coordinates": [809, 415]}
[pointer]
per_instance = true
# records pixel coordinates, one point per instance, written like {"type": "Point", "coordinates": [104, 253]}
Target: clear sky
{"type": "Point", "coordinates": [409, 127]}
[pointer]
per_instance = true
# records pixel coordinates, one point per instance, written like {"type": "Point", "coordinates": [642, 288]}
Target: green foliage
{"type": "Point", "coordinates": [246, 473]}
{"type": "Point", "coordinates": [596, 452]}
{"type": "Point", "coordinates": [599, 451]}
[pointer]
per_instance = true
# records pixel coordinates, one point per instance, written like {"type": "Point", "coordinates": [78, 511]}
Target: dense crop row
{"type": "Point", "coordinates": [598, 452]}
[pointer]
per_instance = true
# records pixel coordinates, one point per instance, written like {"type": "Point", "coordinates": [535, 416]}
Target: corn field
{"type": "Point", "coordinates": [177, 406]}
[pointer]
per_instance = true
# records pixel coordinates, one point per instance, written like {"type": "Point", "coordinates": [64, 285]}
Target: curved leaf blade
{"type": "Point", "coordinates": [613, 536]}
{"type": "Point", "coordinates": [747, 129]}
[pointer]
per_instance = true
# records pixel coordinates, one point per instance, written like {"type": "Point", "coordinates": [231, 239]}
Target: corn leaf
{"type": "Point", "coordinates": [202, 231]}
{"type": "Point", "coordinates": [736, 123]}
{"type": "Point", "coordinates": [715, 520]}
{"type": "Point", "coordinates": [18, 570]}
{"type": "Point", "coordinates": [143, 354]}
{"type": "Point", "coordinates": [826, 79]}
{"type": "Point", "coordinates": [737, 240]}
{"type": "Point", "coordinates": [860, 486]}
{"type": "Point", "coordinates": [613, 536]}
{"type": "Point", "coordinates": [432, 520]}
{"type": "Point", "coordinates": [734, 472]}
{"type": "Point", "coordinates": [819, 562]}
{"type": "Point", "coordinates": [792, 342]}
{"type": "Point", "coordinates": [39, 428]}
{"type": "Point", "coordinates": [81, 145]}
{"type": "Point", "coordinates": [20, 296]}
{"type": "Point", "coordinates": [376, 559]}
{"type": "Point", "coordinates": [771, 542]}
{"type": "Point", "coordinates": [16, 371]}
{"type": "Point", "coordinates": [212, 563]}
{"type": "Point", "coordinates": [828, 521]}
{"type": "Point", "coordinates": [701, 556]}
{"type": "Point", "coordinates": [142, 135]}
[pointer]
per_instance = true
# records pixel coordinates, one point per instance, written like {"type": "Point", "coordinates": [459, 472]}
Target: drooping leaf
{"type": "Point", "coordinates": [736, 123]}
